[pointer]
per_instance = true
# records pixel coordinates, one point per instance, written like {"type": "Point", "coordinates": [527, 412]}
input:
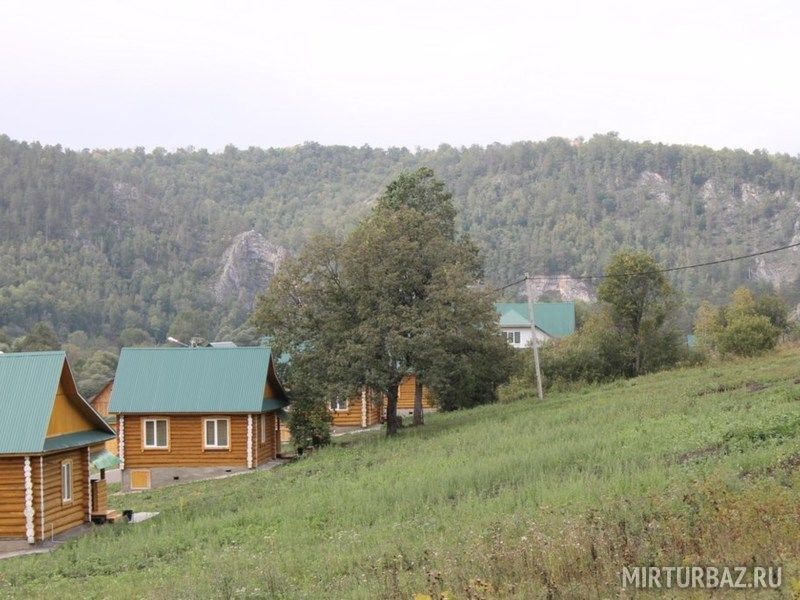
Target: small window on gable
{"type": "Point", "coordinates": [216, 433]}
{"type": "Point", "coordinates": [155, 433]}
{"type": "Point", "coordinates": [66, 481]}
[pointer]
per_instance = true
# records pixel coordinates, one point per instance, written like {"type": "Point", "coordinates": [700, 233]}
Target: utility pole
{"type": "Point", "coordinates": [534, 341]}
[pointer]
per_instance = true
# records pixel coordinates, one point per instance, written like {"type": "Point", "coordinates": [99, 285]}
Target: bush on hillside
{"type": "Point", "coordinates": [748, 325]}
{"type": "Point", "coordinates": [600, 352]}
{"type": "Point", "coordinates": [597, 353]}
{"type": "Point", "coordinates": [748, 335]}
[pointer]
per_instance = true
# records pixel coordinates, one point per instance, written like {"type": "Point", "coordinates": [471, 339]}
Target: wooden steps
{"type": "Point", "coordinates": [112, 516]}
{"type": "Point", "coordinates": [108, 516]}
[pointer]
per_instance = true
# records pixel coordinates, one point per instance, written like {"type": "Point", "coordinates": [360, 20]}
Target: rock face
{"type": "Point", "coordinates": [247, 267]}
{"type": "Point", "coordinates": [656, 187]}
{"type": "Point", "coordinates": [564, 286]}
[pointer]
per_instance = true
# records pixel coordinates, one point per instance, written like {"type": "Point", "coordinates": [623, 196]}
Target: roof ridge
{"type": "Point", "coordinates": [35, 353]}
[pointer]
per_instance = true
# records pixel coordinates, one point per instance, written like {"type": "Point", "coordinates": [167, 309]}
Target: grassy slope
{"type": "Point", "coordinates": [504, 500]}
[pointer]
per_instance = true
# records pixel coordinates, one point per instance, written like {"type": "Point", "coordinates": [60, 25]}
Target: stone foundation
{"type": "Point", "coordinates": [162, 476]}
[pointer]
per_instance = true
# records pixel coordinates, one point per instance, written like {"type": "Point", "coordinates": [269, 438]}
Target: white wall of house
{"type": "Point", "coordinates": [525, 336]}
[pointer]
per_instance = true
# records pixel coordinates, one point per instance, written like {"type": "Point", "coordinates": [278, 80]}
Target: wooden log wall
{"type": "Point", "coordinates": [353, 416]}
{"type": "Point", "coordinates": [350, 417]}
{"type": "Point", "coordinates": [405, 394]}
{"type": "Point", "coordinates": [12, 497]}
{"type": "Point", "coordinates": [268, 449]}
{"type": "Point", "coordinates": [60, 516]}
{"type": "Point", "coordinates": [185, 439]}
{"type": "Point", "coordinates": [99, 496]}
{"type": "Point", "coordinates": [101, 400]}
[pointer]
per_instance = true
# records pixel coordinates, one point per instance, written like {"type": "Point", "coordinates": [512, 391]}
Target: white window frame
{"type": "Point", "coordinates": [155, 445]}
{"type": "Point", "coordinates": [338, 402]}
{"type": "Point", "coordinates": [67, 474]}
{"type": "Point", "coordinates": [215, 445]}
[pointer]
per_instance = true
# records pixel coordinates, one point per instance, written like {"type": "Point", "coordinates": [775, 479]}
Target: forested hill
{"type": "Point", "coordinates": [105, 240]}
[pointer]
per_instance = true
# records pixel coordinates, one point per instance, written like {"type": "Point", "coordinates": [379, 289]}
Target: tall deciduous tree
{"type": "Point", "coordinates": [640, 299]}
{"type": "Point", "coordinates": [399, 295]}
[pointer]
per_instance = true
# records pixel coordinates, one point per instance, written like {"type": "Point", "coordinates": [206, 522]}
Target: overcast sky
{"type": "Point", "coordinates": [205, 74]}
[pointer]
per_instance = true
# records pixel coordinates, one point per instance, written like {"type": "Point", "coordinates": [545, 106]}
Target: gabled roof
{"type": "Point", "coordinates": [557, 319]}
{"type": "Point", "coordinates": [195, 380]}
{"type": "Point", "coordinates": [28, 385]}
{"type": "Point", "coordinates": [108, 384]}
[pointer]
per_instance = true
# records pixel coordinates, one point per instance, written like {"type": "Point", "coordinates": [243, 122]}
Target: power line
{"type": "Point", "coordinates": [667, 270]}
{"type": "Point", "coordinates": [508, 285]}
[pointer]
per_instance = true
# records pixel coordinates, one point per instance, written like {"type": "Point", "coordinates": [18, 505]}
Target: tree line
{"type": "Point", "coordinates": [99, 242]}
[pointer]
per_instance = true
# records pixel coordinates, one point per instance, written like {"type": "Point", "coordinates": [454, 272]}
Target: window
{"type": "Point", "coordinates": [216, 433]}
{"type": "Point", "coordinates": [516, 337]}
{"type": "Point", "coordinates": [339, 405]}
{"type": "Point", "coordinates": [155, 433]}
{"type": "Point", "coordinates": [263, 428]}
{"type": "Point", "coordinates": [66, 481]}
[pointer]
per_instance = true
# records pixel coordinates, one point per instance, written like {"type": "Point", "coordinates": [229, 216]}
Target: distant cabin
{"type": "Point", "coordinates": [50, 441]}
{"type": "Point", "coordinates": [100, 404]}
{"type": "Point", "coordinates": [364, 410]}
{"type": "Point", "coordinates": [368, 408]}
{"type": "Point", "coordinates": [192, 413]}
{"type": "Point", "coordinates": [553, 320]}
{"type": "Point", "coordinates": [405, 394]}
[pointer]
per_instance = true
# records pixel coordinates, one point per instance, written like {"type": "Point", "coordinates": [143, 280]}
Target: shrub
{"type": "Point", "coordinates": [597, 353]}
{"type": "Point", "coordinates": [748, 325]}
{"type": "Point", "coordinates": [747, 335]}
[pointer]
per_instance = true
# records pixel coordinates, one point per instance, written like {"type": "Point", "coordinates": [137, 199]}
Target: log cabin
{"type": "Point", "coordinates": [191, 413]}
{"type": "Point", "coordinates": [100, 404]}
{"type": "Point", "coordinates": [359, 411]}
{"type": "Point", "coordinates": [365, 411]}
{"type": "Point", "coordinates": [406, 391]}
{"type": "Point", "coordinates": [50, 438]}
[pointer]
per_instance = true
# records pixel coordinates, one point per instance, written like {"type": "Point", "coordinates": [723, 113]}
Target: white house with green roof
{"type": "Point", "coordinates": [553, 320]}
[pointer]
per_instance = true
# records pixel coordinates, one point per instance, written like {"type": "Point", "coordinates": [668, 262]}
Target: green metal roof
{"type": "Point", "coordinates": [270, 404]}
{"type": "Point", "coordinates": [104, 460]}
{"type": "Point", "coordinates": [554, 318]}
{"type": "Point", "coordinates": [28, 385]}
{"type": "Point", "coordinates": [79, 438]}
{"type": "Point", "coordinates": [194, 380]}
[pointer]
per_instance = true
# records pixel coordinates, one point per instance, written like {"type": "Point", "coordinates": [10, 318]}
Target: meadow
{"type": "Point", "coordinates": [520, 500]}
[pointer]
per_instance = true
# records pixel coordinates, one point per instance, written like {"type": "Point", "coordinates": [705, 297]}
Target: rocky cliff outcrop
{"type": "Point", "coordinates": [562, 287]}
{"type": "Point", "coordinates": [247, 267]}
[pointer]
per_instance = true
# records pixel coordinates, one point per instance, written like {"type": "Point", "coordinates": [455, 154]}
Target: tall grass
{"type": "Point", "coordinates": [520, 500]}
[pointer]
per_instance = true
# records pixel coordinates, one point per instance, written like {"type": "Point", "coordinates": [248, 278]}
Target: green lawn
{"type": "Point", "coordinates": [514, 500]}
